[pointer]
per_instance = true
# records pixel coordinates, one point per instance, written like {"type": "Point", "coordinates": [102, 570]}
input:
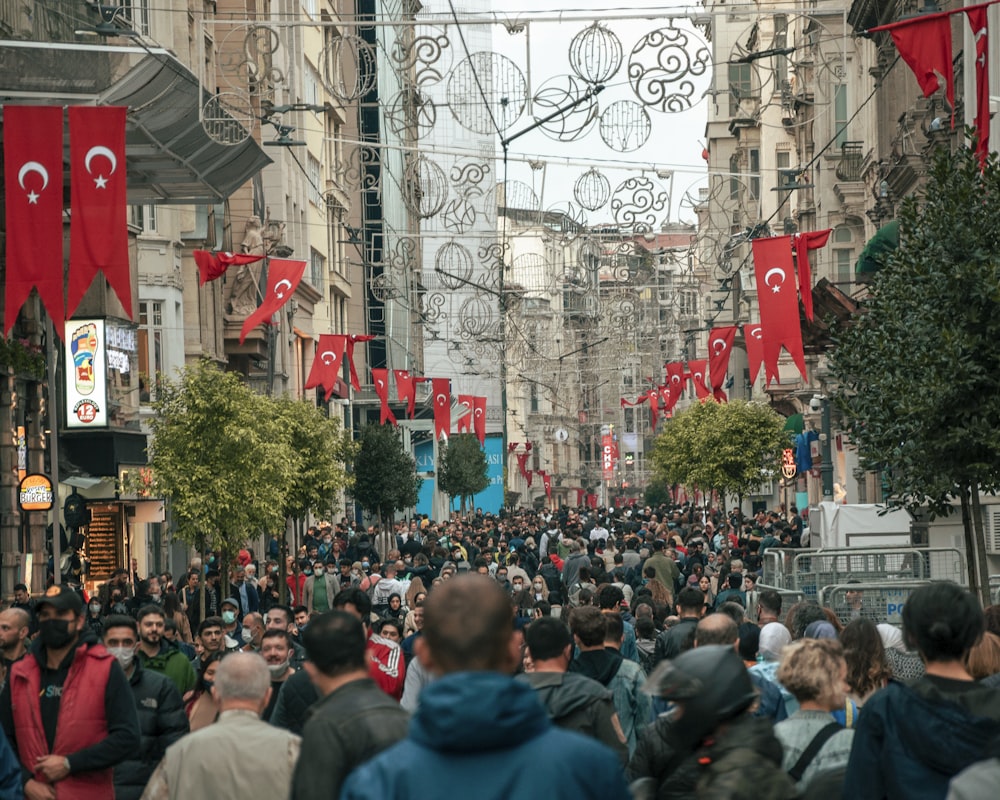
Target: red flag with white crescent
{"type": "Point", "coordinates": [479, 418]}
{"type": "Point", "coordinates": [676, 378]}
{"type": "Point", "coordinates": [720, 347]}
{"type": "Point", "coordinates": [546, 482]}
{"type": "Point", "coordinates": [464, 422]}
{"type": "Point", "coordinates": [380, 379]}
{"type": "Point", "coordinates": [778, 300]}
{"type": "Point", "coordinates": [212, 266]}
{"type": "Point", "coordinates": [98, 227]}
{"type": "Point", "coordinates": [441, 389]}
{"type": "Point", "coordinates": [33, 175]}
{"type": "Point", "coordinates": [283, 278]}
{"type": "Point", "coordinates": [977, 21]}
{"type": "Point", "coordinates": [406, 390]}
{"type": "Point", "coordinates": [352, 340]}
{"type": "Point", "coordinates": [669, 398]}
{"type": "Point", "coordinates": [522, 462]}
{"type": "Point", "coordinates": [638, 401]}
{"type": "Point", "coordinates": [326, 366]}
{"type": "Point", "coordinates": [653, 396]}
{"type": "Point", "coordinates": [753, 337]}
{"type": "Point", "coordinates": [804, 242]}
{"type": "Point", "coordinates": [696, 371]}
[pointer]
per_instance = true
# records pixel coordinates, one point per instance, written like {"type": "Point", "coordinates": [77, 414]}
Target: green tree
{"type": "Point", "coordinates": [726, 447]}
{"type": "Point", "coordinates": [385, 475]}
{"type": "Point", "coordinates": [918, 367]}
{"type": "Point", "coordinates": [462, 468]}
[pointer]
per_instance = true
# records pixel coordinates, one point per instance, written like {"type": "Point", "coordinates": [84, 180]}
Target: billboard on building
{"type": "Point", "coordinates": [101, 384]}
{"type": "Point", "coordinates": [489, 500]}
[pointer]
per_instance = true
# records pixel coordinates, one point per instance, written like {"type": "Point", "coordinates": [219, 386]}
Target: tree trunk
{"type": "Point", "coordinates": [283, 566]}
{"type": "Point", "coordinates": [970, 545]}
{"type": "Point", "coordinates": [201, 582]}
{"type": "Point", "coordinates": [982, 571]}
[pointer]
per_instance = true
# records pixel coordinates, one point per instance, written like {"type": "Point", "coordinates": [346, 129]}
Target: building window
{"type": "Point", "coordinates": [533, 397]}
{"type": "Point", "coordinates": [734, 177]}
{"type": "Point", "coordinates": [136, 13]}
{"type": "Point", "coordinates": [317, 267]}
{"type": "Point", "coordinates": [755, 173]}
{"type": "Point", "coordinates": [840, 114]}
{"type": "Point", "coordinates": [144, 217]}
{"type": "Point", "coordinates": [150, 339]}
{"type": "Point", "coordinates": [740, 86]}
{"type": "Point", "coordinates": [315, 194]}
{"type": "Point", "coordinates": [845, 265]}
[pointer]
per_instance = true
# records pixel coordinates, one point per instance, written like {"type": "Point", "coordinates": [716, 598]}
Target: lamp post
{"type": "Point", "coordinates": [826, 465]}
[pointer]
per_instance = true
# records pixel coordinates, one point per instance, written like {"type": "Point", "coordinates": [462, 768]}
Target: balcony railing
{"type": "Point", "coordinates": [851, 159]}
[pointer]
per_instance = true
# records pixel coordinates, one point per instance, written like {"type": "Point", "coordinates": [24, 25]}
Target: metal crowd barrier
{"type": "Point", "coordinates": [789, 597]}
{"type": "Point", "coordinates": [880, 601]}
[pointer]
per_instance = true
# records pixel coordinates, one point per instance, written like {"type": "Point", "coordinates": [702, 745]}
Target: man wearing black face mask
{"type": "Point", "coordinates": [67, 663]}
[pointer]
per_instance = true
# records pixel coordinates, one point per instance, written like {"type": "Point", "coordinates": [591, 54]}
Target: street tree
{"type": "Point", "coordinates": [725, 447]}
{"type": "Point", "coordinates": [462, 468]}
{"type": "Point", "coordinates": [918, 367]}
{"type": "Point", "coordinates": [385, 476]}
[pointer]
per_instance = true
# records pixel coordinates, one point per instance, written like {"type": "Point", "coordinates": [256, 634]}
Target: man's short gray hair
{"type": "Point", "coordinates": [242, 676]}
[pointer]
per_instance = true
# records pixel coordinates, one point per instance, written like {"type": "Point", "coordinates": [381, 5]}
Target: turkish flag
{"type": "Point", "coordinates": [546, 482]}
{"type": "Point", "coordinates": [653, 395]}
{"type": "Point", "coordinates": [778, 301]}
{"type": "Point", "coordinates": [479, 418]}
{"type": "Point", "coordinates": [465, 421]}
{"type": "Point", "coordinates": [214, 265]}
{"type": "Point", "coordinates": [924, 43]}
{"type": "Point", "coordinates": [753, 338]}
{"type": "Point", "coordinates": [441, 389]}
{"type": "Point", "coordinates": [283, 278]}
{"type": "Point", "coordinates": [676, 378]}
{"type": "Point", "coordinates": [380, 377]}
{"type": "Point", "coordinates": [696, 371]}
{"type": "Point", "coordinates": [669, 398]}
{"type": "Point", "coordinates": [804, 242]}
{"type": "Point", "coordinates": [98, 225]}
{"type": "Point", "coordinates": [522, 461]}
{"type": "Point", "coordinates": [977, 21]}
{"type": "Point", "coordinates": [33, 175]}
{"type": "Point", "coordinates": [406, 390]}
{"type": "Point", "coordinates": [638, 401]}
{"type": "Point", "coordinates": [352, 340]}
{"type": "Point", "coordinates": [326, 366]}
{"type": "Point", "coordinates": [720, 347]}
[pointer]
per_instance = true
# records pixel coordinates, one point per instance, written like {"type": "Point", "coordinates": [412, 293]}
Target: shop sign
{"type": "Point", "coordinates": [35, 493]}
{"type": "Point", "coordinates": [86, 374]}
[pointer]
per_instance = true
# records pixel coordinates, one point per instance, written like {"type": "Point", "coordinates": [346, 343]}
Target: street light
{"type": "Point", "coordinates": [821, 403]}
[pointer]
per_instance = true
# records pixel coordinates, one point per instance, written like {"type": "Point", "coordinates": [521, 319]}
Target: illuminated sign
{"type": "Point", "coordinates": [35, 493]}
{"type": "Point", "coordinates": [788, 468]}
{"type": "Point", "coordinates": [86, 374]}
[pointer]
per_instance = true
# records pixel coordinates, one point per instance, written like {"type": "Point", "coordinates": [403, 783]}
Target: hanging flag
{"type": "Point", "coordinates": [98, 224]}
{"type": "Point", "coordinates": [720, 346]}
{"type": "Point", "coordinates": [441, 389]}
{"type": "Point", "coordinates": [546, 482]}
{"type": "Point", "coordinates": [352, 340]}
{"type": "Point", "coordinates": [924, 43]}
{"type": "Point", "coordinates": [696, 371]}
{"type": "Point", "coordinates": [522, 462]}
{"type": "Point", "coordinates": [676, 378]}
{"type": "Point", "coordinates": [406, 390]}
{"type": "Point", "coordinates": [579, 497]}
{"type": "Point", "coordinates": [380, 379]}
{"type": "Point", "coordinates": [638, 401]}
{"type": "Point", "coordinates": [774, 270]}
{"type": "Point", "coordinates": [479, 418]}
{"type": "Point", "coordinates": [669, 398]}
{"type": "Point", "coordinates": [283, 278]}
{"type": "Point", "coordinates": [653, 395]}
{"type": "Point", "coordinates": [212, 266]}
{"type": "Point", "coordinates": [326, 366]}
{"type": "Point", "coordinates": [512, 447]}
{"type": "Point", "coordinates": [464, 423]}
{"type": "Point", "coordinates": [804, 242]}
{"type": "Point", "coordinates": [33, 175]}
{"type": "Point", "coordinates": [977, 21]}
{"type": "Point", "coordinates": [753, 336]}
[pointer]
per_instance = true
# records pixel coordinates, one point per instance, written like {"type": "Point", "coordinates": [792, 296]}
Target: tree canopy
{"type": "Point", "coordinates": [462, 467]}
{"type": "Point", "coordinates": [385, 475]}
{"type": "Point", "coordinates": [726, 447]}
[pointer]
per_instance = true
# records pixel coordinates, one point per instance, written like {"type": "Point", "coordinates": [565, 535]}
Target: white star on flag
{"type": "Point", "coordinates": [101, 182]}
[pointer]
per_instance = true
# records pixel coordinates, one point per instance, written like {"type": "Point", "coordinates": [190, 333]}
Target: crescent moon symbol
{"type": "Point", "coordinates": [277, 286]}
{"type": "Point", "coordinates": [100, 150]}
{"type": "Point", "coordinates": [675, 378]}
{"type": "Point", "coordinates": [718, 350]}
{"type": "Point", "coordinates": [774, 271]}
{"type": "Point", "coordinates": [32, 166]}
{"type": "Point", "coordinates": [756, 332]}
{"type": "Point", "coordinates": [441, 398]}
{"type": "Point", "coordinates": [330, 360]}
{"type": "Point", "coordinates": [479, 412]}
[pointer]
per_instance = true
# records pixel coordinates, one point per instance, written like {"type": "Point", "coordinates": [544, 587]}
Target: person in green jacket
{"type": "Point", "coordinates": [158, 654]}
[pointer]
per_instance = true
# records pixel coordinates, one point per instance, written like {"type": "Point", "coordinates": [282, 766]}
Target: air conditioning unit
{"type": "Point", "coordinates": [991, 528]}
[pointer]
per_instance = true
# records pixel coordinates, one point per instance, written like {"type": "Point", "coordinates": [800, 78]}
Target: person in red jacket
{"type": "Point", "coordinates": [386, 664]}
{"type": "Point", "coordinates": [67, 708]}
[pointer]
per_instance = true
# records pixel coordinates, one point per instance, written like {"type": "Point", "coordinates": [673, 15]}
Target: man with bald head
{"type": "Point", "coordinates": [212, 762]}
{"type": "Point", "coordinates": [717, 628]}
{"type": "Point", "coordinates": [15, 624]}
{"type": "Point", "coordinates": [475, 720]}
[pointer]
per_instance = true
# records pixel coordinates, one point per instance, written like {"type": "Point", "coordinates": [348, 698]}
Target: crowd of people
{"type": "Point", "coordinates": [604, 653]}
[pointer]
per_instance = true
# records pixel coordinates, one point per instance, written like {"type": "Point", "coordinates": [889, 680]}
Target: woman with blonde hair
{"type": "Point", "coordinates": [814, 671]}
{"type": "Point", "coordinates": [416, 587]}
{"type": "Point", "coordinates": [983, 659]}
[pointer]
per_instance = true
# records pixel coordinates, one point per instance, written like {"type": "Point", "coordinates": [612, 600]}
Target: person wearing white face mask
{"type": "Point", "coordinates": [276, 648]}
{"type": "Point", "coordinates": [162, 720]}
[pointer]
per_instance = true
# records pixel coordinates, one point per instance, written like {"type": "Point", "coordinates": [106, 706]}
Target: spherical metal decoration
{"type": "Point", "coordinates": [595, 54]}
{"type": "Point", "coordinates": [517, 195]}
{"type": "Point", "coordinates": [475, 317]}
{"type": "Point", "coordinates": [625, 126]}
{"type": "Point", "coordinates": [411, 114]}
{"type": "Point", "coordinates": [669, 66]}
{"type": "Point", "coordinates": [592, 190]}
{"type": "Point", "coordinates": [425, 187]}
{"type": "Point", "coordinates": [566, 218]}
{"type": "Point", "coordinates": [637, 204]}
{"type": "Point", "coordinates": [228, 118]}
{"type": "Point", "coordinates": [453, 265]}
{"type": "Point", "coordinates": [555, 97]}
{"type": "Point", "coordinates": [504, 87]}
{"type": "Point", "coordinates": [528, 271]}
{"type": "Point", "coordinates": [348, 67]}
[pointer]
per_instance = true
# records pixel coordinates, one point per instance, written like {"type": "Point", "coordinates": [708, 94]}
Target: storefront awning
{"type": "Point", "coordinates": [885, 240]}
{"type": "Point", "coordinates": [171, 158]}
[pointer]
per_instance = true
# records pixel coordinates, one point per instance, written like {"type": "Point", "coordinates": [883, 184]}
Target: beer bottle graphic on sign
{"type": "Point", "coordinates": [83, 345]}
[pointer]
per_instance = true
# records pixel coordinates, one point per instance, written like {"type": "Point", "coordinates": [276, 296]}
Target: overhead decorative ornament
{"type": "Point", "coordinates": [517, 195]}
{"type": "Point", "coordinates": [637, 204]}
{"type": "Point", "coordinates": [453, 265]}
{"type": "Point", "coordinates": [425, 187]}
{"type": "Point", "coordinates": [504, 87]}
{"type": "Point", "coordinates": [595, 54]}
{"type": "Point", "coordinates": [557, 96]}
{"type": "Point", "coordinates": [592, 190]}
{"type": "Point", "coordinates": [426, 58]}
{"type": "Point", "coordinates": [228, 118]}
{"type": "Point", "coordinates": [410, 113]}
{"type": "Point", "coordinates": [348, 67]}
{"type": "Point", "coordinates": [668, 66]}
{"type": "Point", "coordinates": [625, 126]}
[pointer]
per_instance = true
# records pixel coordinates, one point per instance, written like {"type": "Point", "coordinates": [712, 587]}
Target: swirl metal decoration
{"type": "Point", "coordinates": [620, 313]}
{"type": "Point", "coordinates": [625, 126]}
{"type": "Point", "coordinates": [411, 114]}
{"type": "Point", "coordinates": [426, 58]}
{"type": "Point", "coordinates": [404, 255]}
{"type": "Point", "coordinates": [245, 60]}
{"type": "Point", "coordinates": [453, 265]}
{"type": "Point", "coordinates": [425, 187]}
{"type": "Point", "coordinates": [592, 190]}
{"type": "Point", "coordinates": [595, 54]}
{"type": "Point", "coordinates": [637, 204]}
{"type": "Point", "coordinates": [556, 96]}
{"type": "Point", "coordinates": [352, 171]}
{"type": "Point", "coordinates": [228, 118]}
{"type": "Point", "coordinates": [467, 181]}
{"type": "Point", "coordinates": [504, 87]}
{"type": "Point", "coordinates": [668, 66]}
{"type": "Point", "coordinates": [348, 67]}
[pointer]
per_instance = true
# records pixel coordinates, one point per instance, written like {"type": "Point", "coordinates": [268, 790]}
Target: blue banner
{"type": "Point", "coordinates": [489, 500]}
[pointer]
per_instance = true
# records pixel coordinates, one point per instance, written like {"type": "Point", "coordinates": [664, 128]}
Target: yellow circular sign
{"type": "Point", "coordinates": [35, 493]}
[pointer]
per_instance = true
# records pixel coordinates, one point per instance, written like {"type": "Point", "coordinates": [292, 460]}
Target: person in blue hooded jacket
{"type": "Point", "coordinates": [478, 732]}
{"type": "Point", "coordinates": [912, 738]}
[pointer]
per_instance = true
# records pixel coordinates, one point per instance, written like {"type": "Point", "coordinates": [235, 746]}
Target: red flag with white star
{"type": "Point", "coordinates": [380, 378]}
{"type": "Point", "coordinates": [676, 379]}
{"type": "Point", "coordinates": [753, 337]}
{"type": "Point", "coordinates": [33, 175]}
{"type": "Point", "coordinates": [464, 422]}
{"type": "Point", "coordinates": [778, 302]}
{"type": "Point", "coordinates": [283, 278]}
{"type": "Point", "coordinates": [720, 347]}
{"type": "Point", "coordinates": [352, 340]}
{"type": "Point", "coordinates": [479, 418]}
{"type": "Point", "coordinates": [212, 266]}
{"type": "Point", "coordinates": [441, 389]}
{"type": "Point", "coordinates": [697, 372]}
{"type": "Point", "coordinates": [977, 21]}
{"type": "Point", "coordinates": [326, 366]}
{"type": "Point", "coordinates": [98, 226]}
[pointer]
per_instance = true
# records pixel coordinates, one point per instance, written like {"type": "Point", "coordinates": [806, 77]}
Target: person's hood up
{"type": "Point", "coordinates": [562, 693]}
{"type": "Point", "coordinates": [773, 638]}
{"type": "Point", "coordinates": [474, 712]}
{"type": "Point", "coordinates": [892, 637]}
{"type": "Point", "coordinates": [601, 665]}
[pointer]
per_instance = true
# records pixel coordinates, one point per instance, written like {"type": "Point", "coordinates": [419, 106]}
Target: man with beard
{"type": "Point", "coordinates": [159, 654]}
{"type": "Point", "coordinates": [76, 750]}
{"type": "Point", "coordinates": [14, 626]}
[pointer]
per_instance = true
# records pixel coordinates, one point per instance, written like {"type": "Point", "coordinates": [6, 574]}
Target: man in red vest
{"type": "Point", "coordinates": [67, 708]}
